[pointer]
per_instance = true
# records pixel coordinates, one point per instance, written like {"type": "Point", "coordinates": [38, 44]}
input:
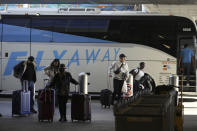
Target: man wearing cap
{"type": "Point", "coordinates": [29, 74]}
{"type": "Point", "coordinates": [61, 82]}
{"type": "Point", "coordinates": [138, 74]}
{"type": "Point", "coordinates": [121, 73]}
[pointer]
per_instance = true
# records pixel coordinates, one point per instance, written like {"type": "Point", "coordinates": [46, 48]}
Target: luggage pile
{"type": "Point", "coordinates": [147, 111]}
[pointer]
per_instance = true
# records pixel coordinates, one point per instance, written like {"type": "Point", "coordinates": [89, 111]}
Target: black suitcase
{"type": "Point", "coordinates": [80, 107]}
{"type": "Point", "coordinates": [106, 97]}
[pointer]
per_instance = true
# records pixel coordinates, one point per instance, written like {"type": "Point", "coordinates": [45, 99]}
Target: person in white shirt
{"type": "Point", "coordinates": [121, 73]}
{"type": "Point", "coordinates": [138, 74]}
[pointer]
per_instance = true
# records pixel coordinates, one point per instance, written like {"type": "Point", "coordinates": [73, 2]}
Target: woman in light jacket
{"type": "Point", "coordinates": [53, 69]}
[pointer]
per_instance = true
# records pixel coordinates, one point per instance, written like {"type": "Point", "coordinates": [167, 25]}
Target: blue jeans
{"type": "Point", "coordinates": [187, 70]}
{"type": "Point", "coordinates": [31, 89]}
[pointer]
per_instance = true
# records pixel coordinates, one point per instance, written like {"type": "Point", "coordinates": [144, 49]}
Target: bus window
{"type": "Point", "coordinates": [42, 30]}
{"type": "Point", "coordinates": [90, 25]}
{"type": "Point", "coordinates": [16, 30]}
{"type": "Point", "coordinates": [79, 30]}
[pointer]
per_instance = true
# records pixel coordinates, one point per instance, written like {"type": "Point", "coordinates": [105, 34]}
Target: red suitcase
{"type": "Point", "coordinates": [46, 104]}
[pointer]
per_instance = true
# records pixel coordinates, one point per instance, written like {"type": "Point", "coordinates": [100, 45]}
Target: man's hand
{"type": "Point", "coordinates": [110, 75]}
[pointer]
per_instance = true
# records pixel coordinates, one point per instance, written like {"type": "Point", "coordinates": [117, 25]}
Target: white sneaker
{"type": "Point", "coordinates": [187, 84]}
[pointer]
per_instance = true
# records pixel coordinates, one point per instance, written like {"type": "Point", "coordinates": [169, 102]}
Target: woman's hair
{"type": "Point", "coordinates": [55, 60]}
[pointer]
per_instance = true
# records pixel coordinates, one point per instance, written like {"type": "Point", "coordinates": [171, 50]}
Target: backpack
{"type": "Point", "coordinates": [18, 70]}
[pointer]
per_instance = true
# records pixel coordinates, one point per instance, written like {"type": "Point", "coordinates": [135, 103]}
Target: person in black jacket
{"type": "Point", "coordinates": [29, 74]}
{"type": "Point", "coordinates": [61, 82]}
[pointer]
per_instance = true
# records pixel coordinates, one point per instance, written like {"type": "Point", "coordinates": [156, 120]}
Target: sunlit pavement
{"type": "Point", "coordinates": [102, 120]}
{"type": "Point", "coordinates": [190, 111]}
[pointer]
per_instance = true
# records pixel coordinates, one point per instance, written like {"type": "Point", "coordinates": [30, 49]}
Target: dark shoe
{"type": "Point", "coordinates": [112, 103]}
{"type": "Point", "coordinates": [61, 119]}
{"type": "Point", "coordinates": [33, 111]}
{"type": "Point", "coordinates": [0, 115]}
{"type": "Point", "coordinates": [65, 120]}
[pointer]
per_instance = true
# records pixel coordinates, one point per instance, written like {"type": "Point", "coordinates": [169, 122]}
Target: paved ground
{"type": "Point", "coordinates": [102, 119]}
{"type": "Point", "coordinates": [190, 111]}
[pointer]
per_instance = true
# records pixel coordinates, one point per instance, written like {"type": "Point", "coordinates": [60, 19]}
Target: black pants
{"type": "Point", "coordinates": [62, 105]}
{"type": "Point", "coordinates": [187, 70]}
{"type": "Point", "coordinates": [117, 89]}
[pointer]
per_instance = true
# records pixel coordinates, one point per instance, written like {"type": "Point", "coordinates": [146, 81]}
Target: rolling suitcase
{"type": "Point", "coordinates": [106, 97]}
{"type": "Point", "coordinates": [80, 107]}
{"type": "Point", "coordinates": [46, 104]}
{"type": "Point", "coordinates": [21, 101]}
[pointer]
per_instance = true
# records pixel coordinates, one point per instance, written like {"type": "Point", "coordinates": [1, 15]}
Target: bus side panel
{"type": "Point", "coordinates": [157, 63]}
{"type": "Point", "coordinates": [96, 60]}
{"type": "Point", "coordinates": [15, 48]}
{"type": "Point", "coordinates": [0, 55]}
{"type": "Point", "coordinates": [13, 53]}
{"type": "Point", "coordinates": [98, 78]}
{"type": "Point", "coordinates": [77, 59]}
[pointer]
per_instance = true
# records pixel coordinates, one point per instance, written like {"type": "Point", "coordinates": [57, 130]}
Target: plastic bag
{"type": "Point", "coordinates": [124, 87]}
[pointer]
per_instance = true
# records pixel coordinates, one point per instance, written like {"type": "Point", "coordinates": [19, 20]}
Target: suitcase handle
{"type": "Point", "coordinates": [45, 95]}
{"type": "Point", "coordinates": [75, 88]}
{"type": "Point", "coordinates": [25, 85]}
{"type": "Point", "coordinates": [45, 82]}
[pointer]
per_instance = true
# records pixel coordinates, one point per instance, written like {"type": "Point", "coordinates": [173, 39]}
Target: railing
{"type": "Point", "coordinates": [102, 7]}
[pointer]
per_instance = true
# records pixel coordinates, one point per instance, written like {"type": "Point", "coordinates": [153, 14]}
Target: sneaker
{"type": "Point", "coordinates": [187, 84]}
{"type": "Point", "coordinates": [33, 111]}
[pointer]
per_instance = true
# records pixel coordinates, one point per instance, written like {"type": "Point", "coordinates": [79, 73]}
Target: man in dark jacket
{"type": "Point", "coordinates": [61, 82]}
{"type": "Point", "coordinates": [29, 75]}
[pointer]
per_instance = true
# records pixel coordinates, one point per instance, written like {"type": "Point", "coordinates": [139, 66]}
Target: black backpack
{"type": "Point", "coordinates": [18, 70]}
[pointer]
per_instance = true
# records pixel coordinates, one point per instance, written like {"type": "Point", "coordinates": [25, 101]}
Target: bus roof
{"type": "Point", "coordinates": [73, 11]}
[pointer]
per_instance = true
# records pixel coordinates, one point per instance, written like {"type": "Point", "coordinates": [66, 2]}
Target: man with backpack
{"type": "Point", "coordinates": [138, 74]}
{"type": "Point", "coordinates": [26, 71]}
{"type": "Point", "coordinates": [121, 73]}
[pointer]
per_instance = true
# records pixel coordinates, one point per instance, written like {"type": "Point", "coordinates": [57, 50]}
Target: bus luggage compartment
{"type": "Point", "coordinates": [154, 114]}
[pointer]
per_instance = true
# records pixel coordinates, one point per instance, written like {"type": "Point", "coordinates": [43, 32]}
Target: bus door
{"type": "Point", "coordinates": [15, 48]}
{"type": "Point", "coordinates": [191, 41]}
